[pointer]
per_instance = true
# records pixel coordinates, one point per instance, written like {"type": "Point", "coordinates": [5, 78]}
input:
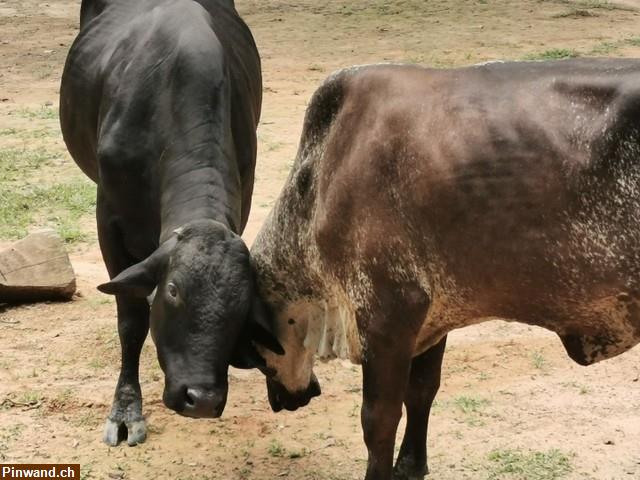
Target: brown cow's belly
{"type": "Point", "coordinates": [591, 329]}
{"type": "Point", "coordinates": [564, 255]}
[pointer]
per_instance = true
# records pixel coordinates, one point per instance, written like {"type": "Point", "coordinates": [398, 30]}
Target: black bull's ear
{"type": "Point", "coordinates": [259, 331]}
{"type": "Point", "coordinates": [140, 279]}
{"type": "Point", "coordinates": [261, 327]}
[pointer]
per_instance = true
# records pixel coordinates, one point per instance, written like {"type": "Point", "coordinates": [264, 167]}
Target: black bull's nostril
{"type": "Point", "coordinates": [197, 402]}
{"type": "Point", "coordinates": [280, 397]}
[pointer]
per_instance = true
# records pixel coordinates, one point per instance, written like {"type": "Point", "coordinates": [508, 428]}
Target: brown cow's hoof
{"type": "Point", "coordinates": [406, 470]}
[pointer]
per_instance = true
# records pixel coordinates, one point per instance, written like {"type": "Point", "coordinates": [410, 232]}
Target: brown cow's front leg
{"type": "Point", "coordinates": [385, 373]}
{"type": "Point", "coordinates": [389, 332]}
{"type": "Point", "coordinates": [424, 382]}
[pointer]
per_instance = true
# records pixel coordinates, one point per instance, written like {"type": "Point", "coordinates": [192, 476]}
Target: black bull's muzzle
{"type": "Point", "coordinates": [280, 397]}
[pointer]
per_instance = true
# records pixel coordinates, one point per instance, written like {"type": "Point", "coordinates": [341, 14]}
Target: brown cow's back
{"type": "Point", "coordinates": [427, 200]}
{"type": "Point", "coordinates": [501, 190]}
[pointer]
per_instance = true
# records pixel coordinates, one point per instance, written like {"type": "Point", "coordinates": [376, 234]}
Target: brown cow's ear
{"type": "Point", "coordinates": [261, 327]}
{"type": "Point", "coordinates": [140, 279]}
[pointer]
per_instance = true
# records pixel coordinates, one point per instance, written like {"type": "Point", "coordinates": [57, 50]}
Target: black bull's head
{"type": "Point", "coordinates": [205, 314]}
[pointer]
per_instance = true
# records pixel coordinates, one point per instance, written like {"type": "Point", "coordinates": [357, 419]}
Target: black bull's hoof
{"type": "Point", "coordinates": [280, 398]}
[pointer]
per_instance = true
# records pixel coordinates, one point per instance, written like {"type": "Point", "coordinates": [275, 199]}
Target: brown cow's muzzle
{"type": "Point", "coordinates": [280, 397]}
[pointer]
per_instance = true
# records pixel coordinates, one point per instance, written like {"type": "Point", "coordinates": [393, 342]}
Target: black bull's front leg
{"type": "Point", "coordinates": [125, 420]}
{"type": "Point", "coordinates": [392, 376]}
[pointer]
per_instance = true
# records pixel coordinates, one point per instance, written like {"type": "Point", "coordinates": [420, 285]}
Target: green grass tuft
{"type": "Point", "coordinates": [29, 133]}
{"type": "Point", "coordinates": [60, 205]}
{"type": "Point", "coordinates": [276, 449]}
{"type": "Point", "coordinates": [45, 112]}
{"type": "Point", "coordinates": [15, 163]}
{"type": "Point", "coordinates": [603, 5]}
{"type": "Point", "coordinates": [532, 465]}
{"type": "Point", "coordinates": [470, 405]}
{"type": "Point", "coordinates": [553, 54]}
{"type": "Point", "coordinates": [538, 361]}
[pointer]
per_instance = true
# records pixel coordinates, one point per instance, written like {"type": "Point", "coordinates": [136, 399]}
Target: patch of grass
{"type": "Point", "coordinates": [538, 361]}
{"type": "Point", "coordinates": [532, 465]}
{"type": "Point", "coordinates": [276, 449]}
{"type": "Point", "coordinates": [99, 300]}
{"type": "Point", "coordinates": [604, 5]}
{"type": "Point", "coordinates": [14, 214]}
{"type": "Point", "coordinates": [8, 435]}
{"type": "Point", "coordinates": [64, 396]}
{"type": "Point", "coordinates": [86, 471]}
{"type": "Point", "coordinates": [15, 162]}
{"type": "Point", "coordinates": [553, 54]}
{"type": "Point", "coordinates": [634, 41]}
{"type": "Point", "coordinates": [30, 397]}
{"type": "Point", "coordinates": [61, 206]}
{"type": "Point", "coordinates": [472, 408]}
{"type": "Point", "coordinates": [470, 405]}
{"type": "Point", "coordinates": [86, 419]}
{"type": "Point", "coordinates": [606, 48]}
{"type": "Point", "coordinates": [24, 133]}
{"type": "Point", "coordinates": [45, 112]}
{"type": "Point", "coordinates": [71, 233]}
{"type": "Point", "coordinates": [595, 4]}
{"type": "Point", "coordinates": [582, 389]}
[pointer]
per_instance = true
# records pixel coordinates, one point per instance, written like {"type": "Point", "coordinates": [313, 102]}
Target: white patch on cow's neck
{"type": "Point", "coordinates": [309, 327]}
{"type": "Point", "coordinates": [326, 327]}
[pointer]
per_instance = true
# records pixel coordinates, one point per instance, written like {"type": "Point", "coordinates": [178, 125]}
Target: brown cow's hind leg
{"type": "Point", "coordinates": [424, 382]}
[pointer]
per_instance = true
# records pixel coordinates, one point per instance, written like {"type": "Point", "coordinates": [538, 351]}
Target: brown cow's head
{"type": "Point", "coordinates": [291, 383]}
{"type": "Point", "coordinates": [205, 313]}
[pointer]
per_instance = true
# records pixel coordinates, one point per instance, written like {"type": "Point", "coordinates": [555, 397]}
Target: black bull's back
{"type": "Point", "coordinates": [140, 82]}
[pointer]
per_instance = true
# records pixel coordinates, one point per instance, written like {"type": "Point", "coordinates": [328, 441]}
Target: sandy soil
{"type": "Point", "coordinates": [507, 388]}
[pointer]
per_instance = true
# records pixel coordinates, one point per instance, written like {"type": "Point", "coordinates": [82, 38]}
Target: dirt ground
{"type": "Point", "coordinates": [512, 404]}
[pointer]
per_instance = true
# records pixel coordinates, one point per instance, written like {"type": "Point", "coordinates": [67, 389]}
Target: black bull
{"type": "Point", "coordinates": [423, 200]}
{"type": "Point", "coordinates": [159, 105]}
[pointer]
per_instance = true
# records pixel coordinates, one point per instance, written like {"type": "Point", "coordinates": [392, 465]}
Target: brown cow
{"type": "Point", "coordinates": [422, 201]}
